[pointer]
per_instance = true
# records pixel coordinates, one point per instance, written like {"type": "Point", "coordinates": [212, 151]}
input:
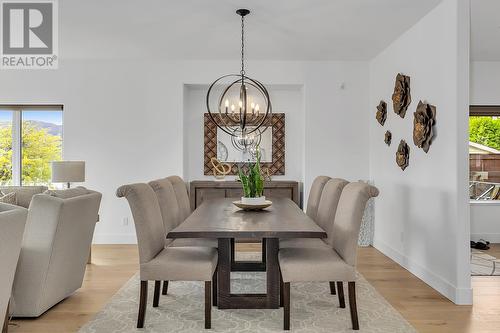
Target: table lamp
{"type": "Point", "coordinates": [68, 172]}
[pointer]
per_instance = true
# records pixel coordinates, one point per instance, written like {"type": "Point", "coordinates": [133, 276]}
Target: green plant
{"type": "Point", "coordinates": [485, 131]}
{"type": "Point", "coordinates": [252, 182]}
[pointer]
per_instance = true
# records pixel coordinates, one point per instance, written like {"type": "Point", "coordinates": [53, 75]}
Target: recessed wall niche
{"type": "Point", "coordinates": [286, 99]}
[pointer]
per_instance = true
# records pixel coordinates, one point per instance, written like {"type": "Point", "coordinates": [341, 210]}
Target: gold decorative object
{"type": "Point", "coordinates": [401, 98]}
{"type": "Point", "coordinates": [403, 155]}
{"type": "Point", "coordinates": [388, 138]}
{"type": "Point", "coordinates": [423, 122]}
{"type": "Point", "coordinates": [381, 113]}
{"type": "Point", "coordinates": [220, 169]}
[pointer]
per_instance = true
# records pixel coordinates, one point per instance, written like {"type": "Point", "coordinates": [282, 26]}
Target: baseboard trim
{"type": "Point", "coordinates": [458, 296]}
{"type": "Point", "coordinates": [493, 238]}
{"type": "Point", "coordinates": [114, 239]}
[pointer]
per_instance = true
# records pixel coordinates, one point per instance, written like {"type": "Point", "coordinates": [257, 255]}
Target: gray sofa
{"type": "Point", "coordinates": [23, 193]}
{"type": "Point", "coordinates": [55, 248]}
{"type": "Point", "coordinates": [12, 222]}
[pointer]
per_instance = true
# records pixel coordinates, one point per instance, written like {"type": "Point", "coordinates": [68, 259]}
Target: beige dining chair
{"type": "Point", "coordinates": [159, 263]}
{"type": "Point", "coordinates": [315, 195]}
{"type": "Point", "coordinates": [325, 218]}
{"type": "Point", "coordinates": [182, 195]}
{"type": "Point", "coordinates": [337, 263]}
{"type": "Point", "coordinates": [172, 215]}
{"type": "Point", "coordinates": [12, 223]}
{"type": "Point", "coordinates": [324, 214]}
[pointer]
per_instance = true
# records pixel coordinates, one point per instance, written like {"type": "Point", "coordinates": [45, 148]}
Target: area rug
{"type": "Point", "coordinates": [482, 264]}
{"type": "Point", "coordinates": [313, 310]}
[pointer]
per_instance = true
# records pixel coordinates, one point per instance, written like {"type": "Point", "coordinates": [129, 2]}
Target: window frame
{"type": "Point", "coordinates": [17, 133]}
{"type": "Point", "coordinates": [484, 111]}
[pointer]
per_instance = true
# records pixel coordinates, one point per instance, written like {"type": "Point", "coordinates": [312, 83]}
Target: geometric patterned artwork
{"type": "Point", "coordinates": [275, 167]}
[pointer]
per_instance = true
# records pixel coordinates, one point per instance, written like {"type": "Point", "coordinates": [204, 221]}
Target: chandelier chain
{"type": "Point", "coordinates": [242, 72]}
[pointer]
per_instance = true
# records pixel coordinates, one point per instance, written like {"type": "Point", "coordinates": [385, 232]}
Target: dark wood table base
{"type": "Point", "coordinates": [248, 266]}
{"type": "Point", "coordinates": [269, 264]}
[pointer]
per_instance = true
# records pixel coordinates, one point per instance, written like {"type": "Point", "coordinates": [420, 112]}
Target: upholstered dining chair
{"type": "Point", "coordinates": [182, 195]}
{"type": "Point", "coordinates": [324, 211]}
{"type": "Point", "coordinates": [336, 263]}
{"type": "Point", "coordinates": [158, 262]}
{"type": "Point", "coordinates": [315, 195]}
{"type": "Point", "coordinates": [174, 214]}
{"type": "Point", "coordinates": [12, 223]}
{"type": "Point", "coordinates": [324, 216]}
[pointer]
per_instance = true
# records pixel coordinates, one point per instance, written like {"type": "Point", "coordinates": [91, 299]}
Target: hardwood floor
{"type": "Point", "coordinates": [424, 308]}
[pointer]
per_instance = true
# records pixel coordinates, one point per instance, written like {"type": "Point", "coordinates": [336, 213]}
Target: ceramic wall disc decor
{"type": "Point", "coordinates": [423, 123]}
{"type": "Point", "coordinates": [388, 138]}
{"type": "Point", "coordinates": [403, 155]}
{"type": "Point", "coordinates": [401, 98]}
{"type": "Point", "coordinates": [381, 113]}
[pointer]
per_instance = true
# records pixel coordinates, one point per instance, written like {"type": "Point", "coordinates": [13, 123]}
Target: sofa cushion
{"type": "Point", "coordinates": [9, 198]}
{"type": "Point", "coordinates": [23, 193]}
{"type": "Point", "coordinates": [68, 193]}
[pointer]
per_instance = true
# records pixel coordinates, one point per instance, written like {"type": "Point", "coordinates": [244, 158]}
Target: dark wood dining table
{"type": "Point", "coordinates": [220, 219]}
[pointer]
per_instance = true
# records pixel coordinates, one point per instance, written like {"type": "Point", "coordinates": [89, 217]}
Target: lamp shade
{"type": "Point", "coordinates": [68, 171]}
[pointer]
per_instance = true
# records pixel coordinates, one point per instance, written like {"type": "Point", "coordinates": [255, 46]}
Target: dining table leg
{"type": "Point", "coordinates": [228, 300]}
{"type": "Point", "coordinates": [272, 272]}
{"type": "Point", "coordinates": [224, 273]}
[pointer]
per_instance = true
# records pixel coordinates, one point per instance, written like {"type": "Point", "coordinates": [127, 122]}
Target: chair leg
{"type": "Point", "coordinates": [156, 297]}
{"type": "Point", "coordinates": [352, 305]}
{"type": "Point", "coordinates": [208, 304]}
{"type": "Point", "coordinates": [281, 291]}
{"type": "Point", "coordinates": [142, 304]}
{"type": "Point", "coordinates": [332, 288]}
{"type": "Point", "coordinates": [286, 306]}
{"type": "Point", "coordinates": [165, 287]}
{"type": "Point", "coordinates": [340, 292]}
{"type": "Point", "coordinates": [214, 288]}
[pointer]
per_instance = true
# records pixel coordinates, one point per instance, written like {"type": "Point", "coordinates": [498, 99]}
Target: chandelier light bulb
{"type": "Point", "coordinates": [227, 103]}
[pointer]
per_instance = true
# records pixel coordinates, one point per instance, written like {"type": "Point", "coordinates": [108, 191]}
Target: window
{"type": "Point", "coordinates": [30, 138]}
{"type": "Point", "coordinates": [484, 153]}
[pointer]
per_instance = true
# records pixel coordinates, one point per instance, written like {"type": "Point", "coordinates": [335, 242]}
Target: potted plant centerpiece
{"type": "Point", "coordinates": [252, 183]}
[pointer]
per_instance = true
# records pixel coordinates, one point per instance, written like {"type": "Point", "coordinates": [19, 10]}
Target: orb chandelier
{"type": "Point", "coordinates": [238, 104]}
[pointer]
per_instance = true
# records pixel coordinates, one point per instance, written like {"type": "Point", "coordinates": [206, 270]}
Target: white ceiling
{"type": "Point", "coordinates": [485, 30]}
{"type": "Point", "coordinates": [202, 29]}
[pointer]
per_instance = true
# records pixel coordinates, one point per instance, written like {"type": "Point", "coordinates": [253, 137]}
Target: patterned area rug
{"type": "Point", "coordinates": [313, 310]}
{"type": "Point", "coordinates": [482, 264]}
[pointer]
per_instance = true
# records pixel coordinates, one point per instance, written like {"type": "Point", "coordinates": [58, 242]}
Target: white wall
{"type": "Point", "coordinates": [287, 99]}
{"type": "Point", "coordinates": [485, 83]}
{"type": "Point", "coordinates": [485, 221]}
{"type": "Point", "coordinates": [421, 215]}
{"type": "Point", "coordinates": [125, 119]}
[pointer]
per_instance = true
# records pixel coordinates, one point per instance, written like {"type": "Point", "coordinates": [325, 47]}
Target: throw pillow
{"type": "Point", "coordinates": [9, 198]}
{"type": "Point", "coordinates": [68, 193]}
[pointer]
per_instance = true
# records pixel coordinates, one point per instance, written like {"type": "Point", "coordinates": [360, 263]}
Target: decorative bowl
{"type": "Point", "coordinates": [253, 201]}
{"type": "Point", "coordinates": [246, 206]}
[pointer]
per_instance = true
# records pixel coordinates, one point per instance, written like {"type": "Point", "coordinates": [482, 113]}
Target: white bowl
{"type": "Point", "coordinates": [253, 201]}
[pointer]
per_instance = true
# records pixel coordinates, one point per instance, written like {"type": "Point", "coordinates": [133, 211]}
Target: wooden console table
{"type": "Point", "coordinates": [210, 189]}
